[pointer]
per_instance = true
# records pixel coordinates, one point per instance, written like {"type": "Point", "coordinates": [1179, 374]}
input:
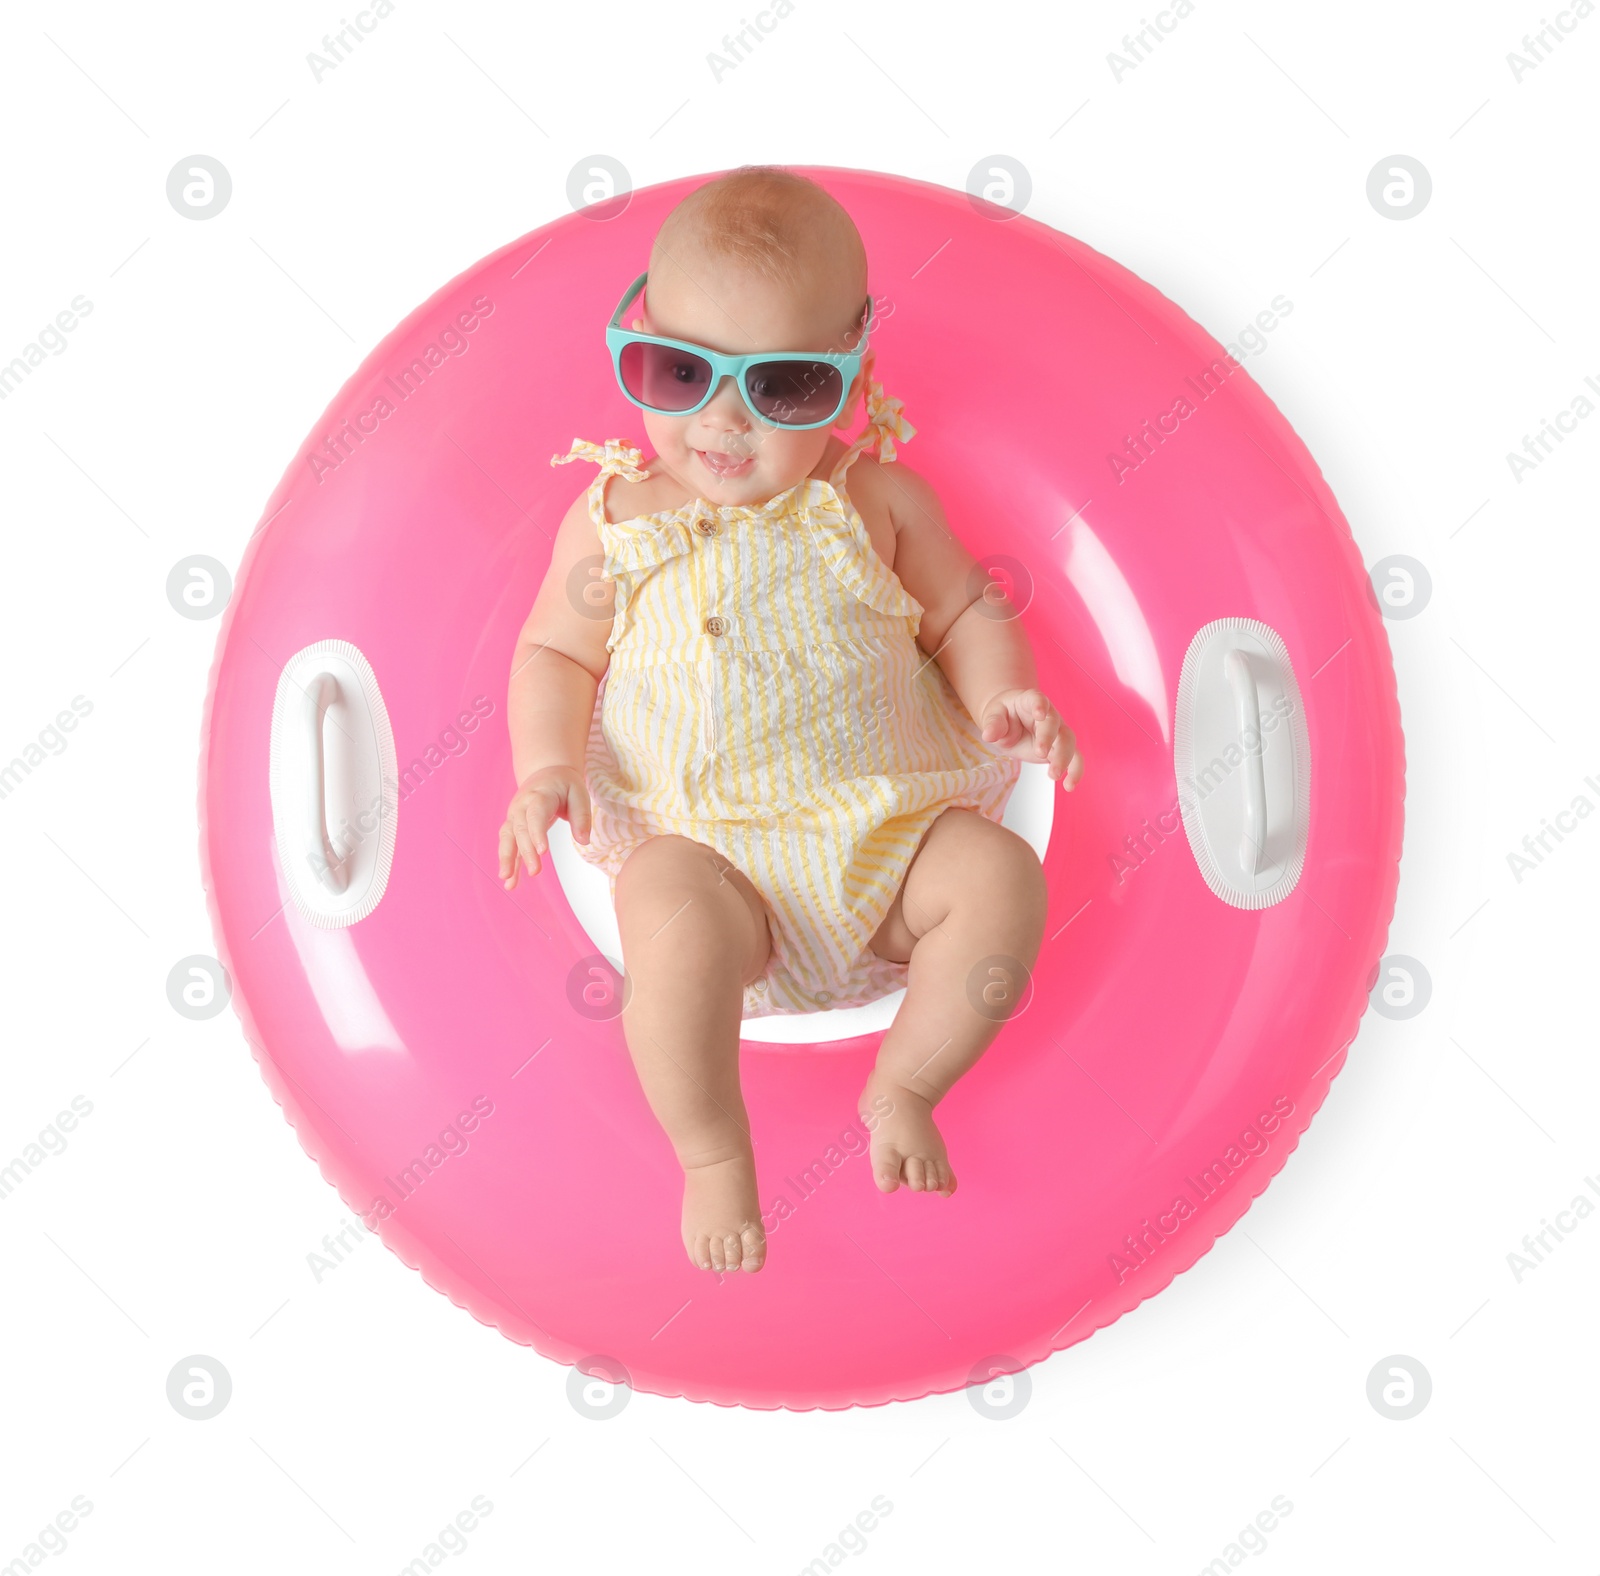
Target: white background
{"type": "Point", "coordinates": [1227, 169]}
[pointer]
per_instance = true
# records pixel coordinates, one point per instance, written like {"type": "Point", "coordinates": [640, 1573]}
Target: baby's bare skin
{"type": "Point", "coordinates": [694, 933]}
{"type": "Point", "coordinates": [969, 916]}
{"type": "Point", "coordinates": [969, 919]}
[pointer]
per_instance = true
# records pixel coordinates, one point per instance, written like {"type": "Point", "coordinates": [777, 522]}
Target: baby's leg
{"type": "Point", "coordinates": [975, 892]}
{"type": "Point", "coordinates": [694, 933]}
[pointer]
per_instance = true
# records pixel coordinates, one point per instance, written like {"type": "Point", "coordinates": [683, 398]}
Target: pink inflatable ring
{"type": "Point", "coordinates": [1221, 883]}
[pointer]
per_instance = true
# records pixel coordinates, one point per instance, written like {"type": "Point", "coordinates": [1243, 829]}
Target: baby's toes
{"type": "Point", "coordinates": [886, 1168]}
{"type": "Point", "coordinates": [755, 1249]}
{"type": "Point", "coordinates": [916, 1173]}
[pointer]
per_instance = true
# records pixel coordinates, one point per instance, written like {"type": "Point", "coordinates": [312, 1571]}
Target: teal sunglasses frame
{"type": "Point", "coordinates": [619, 338]}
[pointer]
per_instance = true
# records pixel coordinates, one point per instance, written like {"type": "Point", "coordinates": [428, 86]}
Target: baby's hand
{"type": "Point", "coordinates": [1023, 723]}
{"type": "Point", "coordinates": [547, 793]}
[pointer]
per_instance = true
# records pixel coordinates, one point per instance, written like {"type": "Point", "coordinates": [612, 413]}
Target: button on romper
{"type": "Point", "coordinates": [766, 696]}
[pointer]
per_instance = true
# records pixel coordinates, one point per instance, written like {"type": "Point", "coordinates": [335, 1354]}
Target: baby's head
{"type": "Point", "coordinates": [758, 259]}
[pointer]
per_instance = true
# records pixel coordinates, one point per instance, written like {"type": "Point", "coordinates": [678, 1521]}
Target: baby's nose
{"type": "Point", "coordinates": [726, 407]}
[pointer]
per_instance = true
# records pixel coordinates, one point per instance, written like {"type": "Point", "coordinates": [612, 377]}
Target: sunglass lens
{"type": "Point", "coordinates": [664, 377]}
{"type": "Point", "coordinates": [794, 393]}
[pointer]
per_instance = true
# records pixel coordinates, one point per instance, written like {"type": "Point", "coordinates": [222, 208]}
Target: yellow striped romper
{"type": "Point", "coordinates": [766, 696]}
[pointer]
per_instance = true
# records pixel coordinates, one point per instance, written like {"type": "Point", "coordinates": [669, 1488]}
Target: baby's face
{"type": "Point", "coordinates": [723, 452]}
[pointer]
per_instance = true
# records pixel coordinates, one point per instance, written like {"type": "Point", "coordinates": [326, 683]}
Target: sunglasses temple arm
{"type": "Point", "coordinates": [633, 293]}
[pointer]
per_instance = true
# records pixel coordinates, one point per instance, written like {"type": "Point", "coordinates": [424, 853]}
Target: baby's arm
{"type": "Point", "coordinates": [973, 632]}
{"type": "Point", "coordinates": [560, 659]}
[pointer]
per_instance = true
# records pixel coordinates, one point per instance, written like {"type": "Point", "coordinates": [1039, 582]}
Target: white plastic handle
{"type": "Point", "coordinates": [320, 694]}
{"type": "Point", "coordinates": [1236, 664]}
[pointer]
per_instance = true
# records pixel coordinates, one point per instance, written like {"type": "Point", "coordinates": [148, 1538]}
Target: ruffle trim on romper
{"type": "Point", "coordinates": [631, 546]}
{"type": "Point", "coordinates": [848, 549]}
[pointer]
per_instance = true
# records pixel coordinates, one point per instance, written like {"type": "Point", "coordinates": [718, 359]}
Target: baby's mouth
{"type": "Point", "coordinates": [726, 467]}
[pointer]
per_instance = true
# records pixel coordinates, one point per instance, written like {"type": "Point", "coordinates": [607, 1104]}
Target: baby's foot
{"type": "Point", "coordinates": [722, 1216]}
{"type": "Point", "coordinates": [906, 1146]}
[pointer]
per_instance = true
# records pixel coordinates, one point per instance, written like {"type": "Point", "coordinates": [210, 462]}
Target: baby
{"type": "Point", "coordinates": [783, 717]}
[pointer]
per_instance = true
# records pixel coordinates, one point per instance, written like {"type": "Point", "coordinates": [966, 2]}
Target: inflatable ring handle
{"type": "Point", "coordinates": [1236, 664]}
{"type": "Point", "coordinates": [320, 694]}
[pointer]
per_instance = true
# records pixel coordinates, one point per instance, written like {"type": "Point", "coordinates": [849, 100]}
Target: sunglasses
{"type": "Point", "coordinates": [673, 377]}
